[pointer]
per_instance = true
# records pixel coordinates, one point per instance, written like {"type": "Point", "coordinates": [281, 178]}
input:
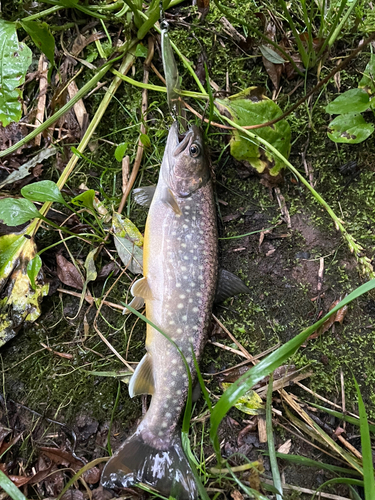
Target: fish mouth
{"type": "Point", "coordinates": [179, 142]}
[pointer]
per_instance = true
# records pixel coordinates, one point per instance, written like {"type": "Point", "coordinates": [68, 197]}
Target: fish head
{"type": "Point", "coordinates": [185, 167]}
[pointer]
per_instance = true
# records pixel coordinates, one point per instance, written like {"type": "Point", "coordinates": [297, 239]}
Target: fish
{"type": "Point", "coordinates": [178, 288]}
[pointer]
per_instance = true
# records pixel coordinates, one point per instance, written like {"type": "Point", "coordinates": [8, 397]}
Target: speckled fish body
{"type": "Point", "coordinates": [180, 275]}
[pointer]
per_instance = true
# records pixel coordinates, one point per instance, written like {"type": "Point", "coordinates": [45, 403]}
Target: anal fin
{"type": "Point", "coordinates": [142, 381]}
{"type": "Point", "coordinates": [143, 195]}
{"type": "Point", "coordinates": [141, 289]}
{"type": "Point", "coordinates": [169, 200]}
{"type": "Point", "coordinates": [229, 285]}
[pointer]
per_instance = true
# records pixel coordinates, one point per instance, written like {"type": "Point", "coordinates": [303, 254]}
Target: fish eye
{"type": "Point", "coordinates": [195, 150]}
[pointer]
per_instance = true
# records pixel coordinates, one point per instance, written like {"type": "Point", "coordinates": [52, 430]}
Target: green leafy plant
{"type": "Point", "coordinates": [15, 60]}
{"type": "Point", "coordinates": [311, 42]}
{"type": "Point", "coordinates": [349, 126]}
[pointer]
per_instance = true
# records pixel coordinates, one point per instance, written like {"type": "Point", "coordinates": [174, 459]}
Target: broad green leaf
{"type": "Point", "coordinates": [91, 273]}
{"type": "Point", "coordinates": [352, 101]}
{"type": "Point", "coordinates": [251, 107]}
{"type": "Point", "coordinates": [368, 468]}
{"type": "Point", "coordinates": [21, 303]}
{"type": "Point", "coordinates": [14, 62]}
{"type": "Point", "coordinates": [368, 79]}
{"type": "Point", "coordinates": [42, 37]}
{"type": "Point", "coordinates": [128, 242]}
{"type": "Point", "coordinates": [124, 228]}
{"type": "Point", "coordinates": [42, 191]}
{"type": "Point", "coordinates": [271, 55]}
{"type": "Point", "coordinates": [269, 364]}
{"type": "Point", "coordinates": [141, 51]}
{"type": "Point", "coordinates": [121, 150]}
{"type": "Point", "coordinates": [145, 140]}
{"type": "Point", "coordinates": [85, 199]}
{"type": "Point", "coordinates": [33, 268]}
{"type": "Point", "coordinates": [351, 129]}
{"type": "Point", "coordinates": [10, 488]}
{"type": "Point", "coordinates": [250, 403]}
{"type": "Point", "coordinates": [15, 211]}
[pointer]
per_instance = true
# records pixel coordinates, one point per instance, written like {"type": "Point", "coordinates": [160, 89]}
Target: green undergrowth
{"type": "Point", "coordinates": [281, 284]}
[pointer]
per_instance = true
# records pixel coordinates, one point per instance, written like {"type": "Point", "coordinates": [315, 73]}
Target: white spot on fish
{"type": "Point", "coordinates": [175, 401]}
{"type": "Point", "coordinates": [195, 309]}
{"type": "Point", "coordinates": [174, 373]}
{"type": "Point", "coordinates": [164, 424]}
{"type": "Point", "coordinates": [183, 245]}
{"type": "Point", "coordinates": [179, 392]}
{"type": "Point", "coordinates": [174, 361]}
{"type": "Point", "coordinates": [179, 330]}
{"type": "Point", "coordinates": [191, 339]}
{"type": "Point", "coordinates": [174, 233]}
{"type": "Point", "coordinates": [160, 433]}
{"type": "Point", "coordinates": [182, 296]}
{"type": "Point", "coordinates": [188, 359]}
{"type": "Point", "coordinates": [195, 327]}
{"type": "Point", "coordinates": [187, 207]}
{"type": "Point", "coordinates": [184, 318]}
{"type": "Point", "coordinates": [192, 284]}
{"type": "Point", "coordinates": [200, 277]}
{"type": "Point", "coordinates": [183, 268]}
{"type": "Point", "coordinates": [199, 294]}
{"type": "Point", "coordinates": [190, 301]}
{"type": "Point", "coordinates": [180, 305]}
{"type": "Point", "coordinates": [178, 285]}
{"type": "Point", "coordinates": [173, 383]}
{"type": "Point", "coordinates": [200, 268]}
{"type": "Point", "coordinates": [185, 226]}
{"type": "Point", "coordinates": [171, 322]}
{"type": "Point", "coordinates": [168, 415]}
{"type": "Point", "coordinates": [186, 257]}
{"type": "Point", "coordinates": [193, 218]}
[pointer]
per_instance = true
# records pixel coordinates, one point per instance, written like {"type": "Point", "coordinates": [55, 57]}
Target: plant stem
{"type": "Point", "coordinates": [46, 12]}
{"type": "Point", "coordinates": [354, 247]}
{"type": "Point", "coordinates": [124, 68]}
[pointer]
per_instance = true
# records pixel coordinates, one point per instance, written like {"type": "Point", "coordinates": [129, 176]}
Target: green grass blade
{"type": "Point", "coordinates": [304, 461]}
{"type": "Point", "coordinates": [341, 416]}
{"type": "Point", "coordinates": [271, 443]}
{"type": "Point", "coordinates": [340, 480]}
{"type": "Point", "coordinates": [368, 468]}
{"type": "Point", "coordinates": [10, 488]}
{"type": "Point", "coordinates": [269, 364]}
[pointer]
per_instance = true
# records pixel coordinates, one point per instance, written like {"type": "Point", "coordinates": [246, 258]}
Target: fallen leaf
{"type": "Point", "coordinates": [250, 403]}
{"type": "Point", "coordinates": [68, 273]}
{"type": "Point", "coordinates": [128, 241]}
{"type": "Point", "coordinates": [252, 107]}
{"type": "Point", "coordinates": [285, 448]}
{"type": "Point", "coordinates": [338, 317]}
{"type": "Point", "coordinates": [21, 303]}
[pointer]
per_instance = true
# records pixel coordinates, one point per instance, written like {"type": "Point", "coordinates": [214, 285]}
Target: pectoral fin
{"type": "Point", "coordinates": [169, 199]}
{"type": "Point", "coordinates": [137, 303]}
{"type": "Point", "coordinates": [141, 289]}
{"type": "Point", "coordinates": [143, 195]}
{"type": "Point", "coordinates": [142, 381]}
{"type": "Point", "coordinates": [229, 285]}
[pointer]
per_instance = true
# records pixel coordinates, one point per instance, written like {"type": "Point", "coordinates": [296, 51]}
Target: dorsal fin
{"type": "Point", "coordinates": [228, 285]}
{"type": "Point", "coordinates": [142, 381]}
{"type": "Point", "coordinates": [141, 289]}
{"type": "Point", "coordinates": [169, 199]}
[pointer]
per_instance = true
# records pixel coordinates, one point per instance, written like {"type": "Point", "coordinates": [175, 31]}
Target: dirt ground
{"type": "Point", "coordinates": [72, 394]}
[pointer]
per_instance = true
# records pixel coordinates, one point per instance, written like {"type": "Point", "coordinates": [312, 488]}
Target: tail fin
{"type": "Point", "coordinates": [167, 469]}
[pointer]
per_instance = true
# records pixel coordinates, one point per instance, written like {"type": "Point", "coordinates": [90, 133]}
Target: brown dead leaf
{"type": "Point", "coordinates": [285, 447]}
{"type": "Point", "coordinates": [61, 457]}
{"type": "Point", "coordinates": [68, 273]}
{"type": "Point", "coordinates": [11, 134]}
{"type": "Point", "coordinates": [92, 476]}
{"type": "Point", "coordinates": [73, 494]}
{"type": "Point", "coordinates": [236, 495]}
{"type": "Point", "coordinates": [338, 317]}
{"type": "Point", "coordinates": [19, 480]}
